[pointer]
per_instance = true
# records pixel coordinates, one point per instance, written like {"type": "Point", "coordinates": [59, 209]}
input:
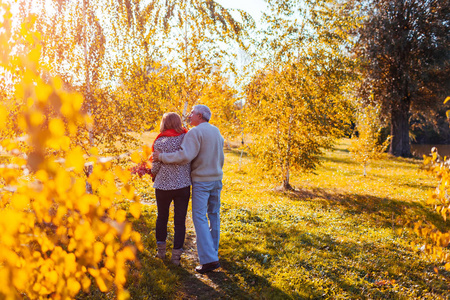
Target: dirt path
{"type": "Point", "coordinates": [194, 285]}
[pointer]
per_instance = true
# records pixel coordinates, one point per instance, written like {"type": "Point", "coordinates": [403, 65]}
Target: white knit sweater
{"type": "Point", "coordinates": [203, 146]}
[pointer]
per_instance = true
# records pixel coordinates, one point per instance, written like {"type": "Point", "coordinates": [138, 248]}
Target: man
{"type": "Point", "coordinates": [203, 146]}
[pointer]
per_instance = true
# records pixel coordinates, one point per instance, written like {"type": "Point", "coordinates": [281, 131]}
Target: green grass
{"type": "Point", "coordinates": [335, 237]}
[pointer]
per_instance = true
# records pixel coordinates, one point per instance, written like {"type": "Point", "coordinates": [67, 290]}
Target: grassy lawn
{"type": "Point", "coordinates": [335, 237]}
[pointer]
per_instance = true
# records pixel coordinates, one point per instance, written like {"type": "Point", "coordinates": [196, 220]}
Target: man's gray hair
{"type": "Point", "coordinates": [204, 110]}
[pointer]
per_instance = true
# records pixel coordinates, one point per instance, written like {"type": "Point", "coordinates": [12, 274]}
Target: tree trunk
{"type": "Point", "coordinates": [400, 145]}
{"type": "Point", "coordinates": [286, 185]}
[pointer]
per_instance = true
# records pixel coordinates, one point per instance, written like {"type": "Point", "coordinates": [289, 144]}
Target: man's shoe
{"type": "Point", "coordinates": [207, 267]}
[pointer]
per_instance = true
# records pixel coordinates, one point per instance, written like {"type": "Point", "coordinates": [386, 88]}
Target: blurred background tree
{"type": "Point", "coordinates": [404, 47]}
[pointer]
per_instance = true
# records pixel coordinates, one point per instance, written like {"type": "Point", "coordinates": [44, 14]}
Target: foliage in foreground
{"type": "Point", "coordinates": [437, 240]}
{"type": "Point", "coordinates": [57, 239]}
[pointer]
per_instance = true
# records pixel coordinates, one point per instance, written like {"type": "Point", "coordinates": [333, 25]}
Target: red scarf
{"type": "Point", "coordinates": [169, 132]}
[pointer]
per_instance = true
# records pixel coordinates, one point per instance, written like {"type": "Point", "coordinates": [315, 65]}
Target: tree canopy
{"type": "Point", "coordinates": [298, 95]}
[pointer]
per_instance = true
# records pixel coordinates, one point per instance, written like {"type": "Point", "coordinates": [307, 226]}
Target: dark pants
{"type": "Point", "coordinates": [180, 199]}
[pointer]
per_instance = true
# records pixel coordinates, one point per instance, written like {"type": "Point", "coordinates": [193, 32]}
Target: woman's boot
{"type": "Point", "coordinates": [176, 256]}
{"type": "Point", "coordinates": [161, 250]}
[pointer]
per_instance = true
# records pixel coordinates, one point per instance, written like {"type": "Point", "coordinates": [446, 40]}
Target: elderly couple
{"type": "Point", "coordinates": [182, 158]}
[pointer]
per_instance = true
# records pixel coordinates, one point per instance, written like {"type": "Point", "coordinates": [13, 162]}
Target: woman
{"type": "Point", "coordinates": [171, 183]}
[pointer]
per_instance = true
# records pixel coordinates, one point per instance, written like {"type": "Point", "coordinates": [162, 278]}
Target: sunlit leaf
{"type": "Point", "coordinates": [135, 209]}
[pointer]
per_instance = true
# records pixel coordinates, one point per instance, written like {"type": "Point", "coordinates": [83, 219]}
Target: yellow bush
{"type": "Point", "coordinates": [57, 239]}
{"type": "Point", "coordinates": [437, 240]}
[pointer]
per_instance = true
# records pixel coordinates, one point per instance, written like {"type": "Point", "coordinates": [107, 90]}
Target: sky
{"type": "Point", "coordinates": [253, 7]}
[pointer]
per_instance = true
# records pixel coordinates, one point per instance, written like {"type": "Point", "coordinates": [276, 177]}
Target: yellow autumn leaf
{"type": "Point", "coordinates": [110, 264]}
{"type": "Point", "coordinates": [123, 295]}
{"type": "Point", "coordinates": [64, 143]}
{"type": "Point", "coordinates": [56, 127]}
{"type": "Point", "coordinates": [52, 276]}
{"type": "Point", "coordinates": [75, 159]}
{"type": "Point", "coordinates": [85, 202]}
{"type": "Point", "coordinates": [36, 118]}
{"type": "Point", "coordinates": [128, 191]}
{"type": "Point", "coordinates": [20, 201]}
{"type": "Point", "coordinates": [447, 266]}
{"type": "Point", "coordinates": [72, 128]}
{"type": "Point", "coordinates": [109, 251]}
{"type": "Point", "coordinates": [63, 182]}
{"type": "Point", "coordinates": [126, 233]}
{"type": "Point", "coordinates": [135, 210]}
{"type": "Point", "coordinates": [120, 215]}
{"type": "Point", "coordinates": [122, 174]}
{"type": "Point", "coordinates": [20, 279]}
{"type": "Point", "coordinates": [53, 144]}
{"type": "Point", "coordinates": [67, 110]}
{"type": "Point", "coordinates": [136, 157]}
{"type": "Point", "coordinates": [101, 284]}
{"type": "Point", "coordinates": [86, 283]}
{"type": "Point", "coordinates": [147, 151]}
{"type": "Point", "coordinates": [73, 286]}
{"type": "Point", "coordinates": [93, 151]}
{"type": "Point", "coordinates": [77, 101]}
{"type": "Point", "coordinates": [128, 253]}
{"type": "Point", "coordinates": [43, 92]}
{"type": "Point", "coordinates": [35, 54]}
{"type": "Point", "coordinates": [57, 83]}
{"type": "Point", "coordinates": [3, 116]}
{"type": "Point", "coordinates": [19, 91]}
{"type": "Point", "coordinates": [22, 123]}
{"type": "Point", "coordinates": [98, 251]}
{"type": "Point", "coordinates": [41, 175]}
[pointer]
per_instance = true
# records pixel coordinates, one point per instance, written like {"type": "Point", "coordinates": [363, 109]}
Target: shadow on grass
{"type": "Point", "coordinates": [153, 278]}
{"type": "Point", "coordinates": [393, 162]}
{"type": "Point", "coordinates": [307, 265]}
{"type": "Point", "coordinates": [343, 160]}
{"type": "Point", "coordinates": [286, 255]}
{"type": "Point", "coordinates": [419, 185]}
{"type": "Point", "coordinates": [283, 254]}
{"type": "Point", "coordinates": [380, 209]}
{"type": "Point", "coordinates": [222, 286]}
{"type": "Point", "coordinates": [335, 149]}
{"type": "Point", "coordinates": [258, 287]}
{"type": "Point", "coordinates": [368, 264]}
{"type": "Point", "coordinates": [415, 185]}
